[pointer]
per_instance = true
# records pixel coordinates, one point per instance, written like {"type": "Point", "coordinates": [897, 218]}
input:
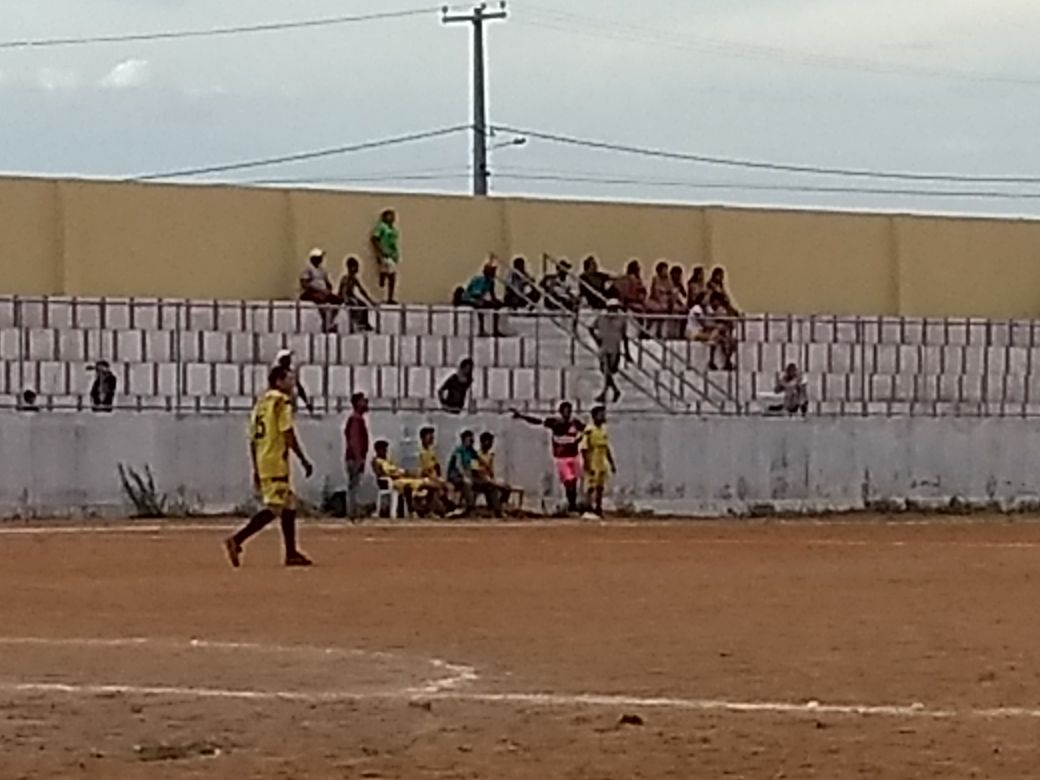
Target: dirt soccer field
{"type": "Point", "coordinates": [846, 650]}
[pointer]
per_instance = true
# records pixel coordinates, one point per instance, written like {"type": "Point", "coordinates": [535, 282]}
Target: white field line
{"type": "Point", "coordinates": [157, 531]}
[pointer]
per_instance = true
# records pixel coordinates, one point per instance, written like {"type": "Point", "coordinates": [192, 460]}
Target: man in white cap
{"type": "Point", "coordinates": [316, 288]}
{"type": "Point", "coordinates": [611, 333]}
{"type": "Point", "coordinates": [285, 360]}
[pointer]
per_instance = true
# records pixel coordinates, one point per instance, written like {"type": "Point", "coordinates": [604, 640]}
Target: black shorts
{"type": "Point", "coordinates": [610, 364]}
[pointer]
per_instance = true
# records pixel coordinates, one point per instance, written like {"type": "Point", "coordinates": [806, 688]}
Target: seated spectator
{"type": "Point", "coordinates": [464, 475]}
{"type": "Point", "coordinates": [696, 289]}
{"type": "Point", "coordinates": [103, 390]}
{"type": "Point", "coordinates": [387, 471]}
{"type": "Point", "coordinates": [480, 293]}
{"type": "Point", "coordinates": [561, 290]}
{"type": "Point", "coordinates": [521, 290]}
{"type": "Point", "coordinates": [486, 468]}
{"type": "Point", "coordinates": [596, 286]}
{"type": "Point", "coordinates": [386, 240]}
{"type": "Point", "coordinates": [630, 288]}
{"type": "Point", "coordinates": [717, 283]}
{"type": "Point", "coordinates": [355, 297]}
{"type": "Point", "coordinates": [430, 470]}
{"type": "Point", "coordinates": [791, 383]}
{"type": "Point", "coordinates": [721, 331]}
{"type": "Point", "coordinates": [316, 288]}
{"type": "Point", "coordinates": [663, 302]}
{"type": "Point", "coordinates": [27, 401]}
{"type": "Point", "coordinates": [453, 392]}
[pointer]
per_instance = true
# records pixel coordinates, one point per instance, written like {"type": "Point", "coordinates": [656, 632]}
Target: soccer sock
{"type": "Point", "coordinates": [256, 524]}
{"type": "Point", "coordinates": [572, 495]}
{"type": "Point", "coordinates": [289, 531]}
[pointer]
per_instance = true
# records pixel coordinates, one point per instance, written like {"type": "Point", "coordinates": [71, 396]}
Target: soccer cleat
{"type": "Point", "coordinates": [591, 516]}
{"type": "Point", "coordinates": [298, 560]}
{"type": "Point", "coordinates": [234, 552]}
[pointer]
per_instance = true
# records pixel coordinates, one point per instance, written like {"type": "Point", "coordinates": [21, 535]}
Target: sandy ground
{"type": "Point", "coordinates": [808, 650]}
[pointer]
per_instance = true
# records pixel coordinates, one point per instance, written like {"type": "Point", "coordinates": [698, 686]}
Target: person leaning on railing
{"type": "Point", "coordinates": [355, 297]}
{"type": "Point", "coordinates": [663, 302]}
{"type": "Point", "coordinates": [316, 288]}
{"type": "Point", "coordinates": [721, 330]}
{"type": "Point", "coordinates": [560, 288]}
{"type": "Point", "coordinates": [481, 294]}
{"type": "Point", "coordinates": [596, 286]}
{"type": "Point", "coordinates": [521, 290]}
{"type": "Point", "coordinates": [630, 288]}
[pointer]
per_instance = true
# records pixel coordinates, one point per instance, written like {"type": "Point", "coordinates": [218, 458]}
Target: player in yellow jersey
{"type": "Point", "coordinates": [271, 438]}
{"type": "Point", "coordinates": [599, 460]}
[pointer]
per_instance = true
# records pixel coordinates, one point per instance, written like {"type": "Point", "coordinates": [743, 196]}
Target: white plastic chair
{"type": "Point", "coordinates": [393, 498]}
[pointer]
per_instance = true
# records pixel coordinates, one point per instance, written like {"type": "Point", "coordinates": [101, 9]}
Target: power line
{"type": "Point", "coordinates": [581, 178]}
{"type": "Point", "coordinates": [733, 162]}
{"type": "Point", "coordinates": [330, 21]}
{"type": "Point", "coordinates": [599, 27]}
{"type": "Point", "coordinates": [301, 156]}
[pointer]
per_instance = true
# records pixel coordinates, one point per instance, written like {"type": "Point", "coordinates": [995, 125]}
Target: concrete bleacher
{"type": "Point", "coordinates": [215, 354]}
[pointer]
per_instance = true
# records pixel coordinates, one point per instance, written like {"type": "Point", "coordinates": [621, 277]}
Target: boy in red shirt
{"type": "Point", "coordinates": [566, 432]}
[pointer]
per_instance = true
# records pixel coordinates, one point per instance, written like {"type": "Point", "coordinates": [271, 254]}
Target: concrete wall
{"type": "Point", "coordinates": [60, 464]}
{"type": "Point", "coordinates": [155, 240]}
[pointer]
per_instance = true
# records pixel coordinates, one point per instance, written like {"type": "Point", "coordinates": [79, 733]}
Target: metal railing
{"type": "Point", "coordinates": [197, 356]}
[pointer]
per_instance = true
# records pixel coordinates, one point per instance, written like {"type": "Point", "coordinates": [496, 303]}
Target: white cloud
{"type": "Point", "coordinates": [57, 79]}
{"type": "Point", "coordinates": [127, 75]}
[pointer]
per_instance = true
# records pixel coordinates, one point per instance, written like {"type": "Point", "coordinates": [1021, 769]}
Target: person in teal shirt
{"type": "Point", "coordinates": [386, 239]}
{"type": "Point", "coordinates": [480, 293]}
{"type": "Point", "coordinates": [464, 476]}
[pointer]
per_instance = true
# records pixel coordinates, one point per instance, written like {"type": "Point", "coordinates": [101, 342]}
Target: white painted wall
{"type": "Point", "coordinates": [61, 464]}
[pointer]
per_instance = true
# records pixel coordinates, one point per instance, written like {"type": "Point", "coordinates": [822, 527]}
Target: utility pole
{"type": "Point", "coordinates": [477, 18]}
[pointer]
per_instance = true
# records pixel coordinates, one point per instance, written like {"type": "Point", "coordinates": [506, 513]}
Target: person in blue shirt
{"type": "Point", "coordinates": [481, 294]}
{"type": "Point", "coordinates": [466, 476]}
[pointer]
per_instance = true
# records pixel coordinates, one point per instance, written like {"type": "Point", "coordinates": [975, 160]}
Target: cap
{"type": "Point", "coordinates": [565, 265]}
{"type": "Point", "coordinates": [283, 354]}
{"type": "Point", "coordinates": [613, 303]}
{"type": "Point", "coordinates": [317, 252]}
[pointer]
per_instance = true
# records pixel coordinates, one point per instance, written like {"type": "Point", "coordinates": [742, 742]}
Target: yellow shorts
{"type": "Point", "coordinates": [596, 479]}
{"type": "Point", "coordinates": [277, 494]}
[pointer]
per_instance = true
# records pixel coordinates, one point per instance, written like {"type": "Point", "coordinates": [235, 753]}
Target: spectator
{"type": "Point", "coordinates": [696, 289]}
{"type": "Point", "coordinates": [103, 390]}
{"type": "Point", "coordinates": [27, 401]}
{"type": "Point", "coordinates": [521, 290]}
{"type": "Point", "coordinates": [386, 240]}
{"type": "Point", "coordinates": [595, 284]}
{"type": "Point", "coordinates": [430, 471]}
{"type": "Point", "coordinates": [454, 391]}
{"type": "Point", "coordinates": [355, 297]}
{"type": "Point", "coordinates": [663, 301]}
{"type": "Point", "coordinates": [791, 384]}
{"type": "Point", "coordinates": [386, 470]}
{"type": "Point", "coordinates": [355, 435]}
{"type": "Point", "coordinates": [486, 468]}
{"type": "Point", "coordinates": [464, 474]}
{"type": "Point", "coordinates": [717, 283]}
{"type": "Point", "coordinates": [610, 332]}
{"type": "Point", "coordinates": [677, 329]}
{"type": "Point", "coordinates": [561, 293]}
{"type": "Point", "coordinates": [284, 358]}
{"type": "Point", "coordinates": [480, 293]}
{"type": "Point", "coordinates": [721, 331]}
{"type": "Point", "coordinates": [316, 288]}
{"type": "Point", "coordinates": [631, 290]}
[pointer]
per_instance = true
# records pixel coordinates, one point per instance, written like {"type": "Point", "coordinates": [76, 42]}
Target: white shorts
{"type": "Point", "coordinates": [387, 265]}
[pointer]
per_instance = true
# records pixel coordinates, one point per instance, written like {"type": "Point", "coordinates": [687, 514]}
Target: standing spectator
{"type": "Point", "coordinates": [663, 301]}
{"type": "Point", "coordinates": [355, 297]}
{"type": "Point", "coordinates": [566, 433]}
{"type": "Point", "coordinates": [610, 333]}
{"type": "Point", "coordinates": [454, 391]}
{"type": "Point", "coordinates": [561, 292]}
{"type": "Point", "coordinates": [103, 390]}
{"type": "Point", "coordinates": [464, 474]}
{"type": "Point", "coordinates": [717, 284]}
{"type": "Point", "coordinates": [521, 290]}
{"type": "Point", "coordinates": [386, 240]}
{"type": "Point", "coordinates": [316, 288]}
{"type": "Point", "coordinates": [791, 384]}
{"type": "Point", "coordinates": [480, 293]}
{"type": "Point", "coordinates": [595, 284]}
{"type": "Point", "coordinates": [355, 435]}
{"type": "Point", "coordinates": [677, 324]}
{"type": "Point", "coordinates": [631, 290]}
{"type": "Point", "coordinates": [284, 358]}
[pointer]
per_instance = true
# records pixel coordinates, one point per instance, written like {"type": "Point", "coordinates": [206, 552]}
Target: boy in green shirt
{"type": "Point", "coordinates": [386, 242]}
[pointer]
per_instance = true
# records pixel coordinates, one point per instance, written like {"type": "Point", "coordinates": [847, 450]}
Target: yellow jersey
{"type": "Point", "coordinates": [385, 468]}
{"type": "Point", "coordinates": [429, 463]}
{"type": "Point", "coordinates": [595, 442]}
{"type": "Point", "coordinates": [271, 420]}
{"type": "Point", "coordinates": [487, 463]}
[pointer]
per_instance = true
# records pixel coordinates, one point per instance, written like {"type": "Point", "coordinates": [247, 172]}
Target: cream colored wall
{"type": "Point", "coordinates": [175, 241]}
{"type": "Point", "coordinates": [985, 268]}
{"type": "Point", "coordinates": [30, 237]}
{"type": "Point", "coordinates": [109, 238]}
{"type": "Point", "coordinates": [804, 263]}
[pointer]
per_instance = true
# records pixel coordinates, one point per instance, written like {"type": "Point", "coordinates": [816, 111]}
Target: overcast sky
{"type": "Point", "coordinates": [948, 86]}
